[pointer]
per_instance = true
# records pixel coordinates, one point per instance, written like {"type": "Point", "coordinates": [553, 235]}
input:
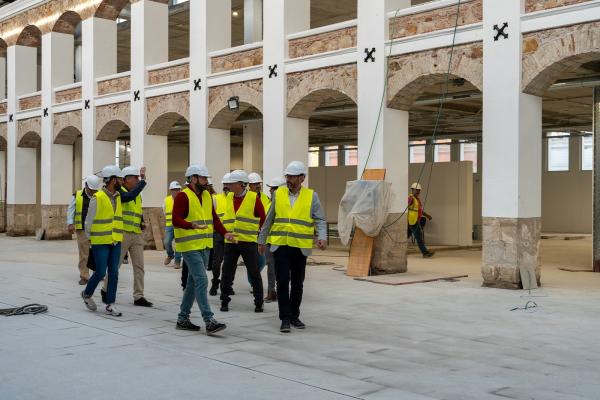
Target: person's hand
{"type": "Point", "coordinates": [322, 244]}
{"type": "Point", "coordinates": [230, 237]}
{"type": "Point", "coordinates": [429, 218]}
{"type": "Point", "coordinates": [71, 228]}
{"type": "Point", "coordinates": [198, 226]}
{"type": "Point", "coordinates": [262, 248]}
{"type": "Point", "coordinates": [143, 173]}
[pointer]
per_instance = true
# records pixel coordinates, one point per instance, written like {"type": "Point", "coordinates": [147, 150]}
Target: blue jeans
{"type": "Point", "coordinates": [196, 286]}
{"type": "Point", "coordinates": [262, 261]}
{"type": "Point", "coordinates": [106, 257]}
{"type": "Point", "coordinates": [417, 231]}
{"type": "Point", "coordinates": [168, 242]}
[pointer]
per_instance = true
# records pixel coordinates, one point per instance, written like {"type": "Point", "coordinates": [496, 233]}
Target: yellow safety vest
{"type": "Point", "coordinates": [132, 215]}
{"type": "Point", "coordinates": [169, 201]}
{"type": "Point", "coordinates": [266, 202]}
{"type": "Point", "coordinates": [293, 226]}
{"type": "Point", "coordinates": [79, 210]}
{"type": "Point", "coordinates": [107, 227]}
{"type": "Point", "coordinates": [221, 204]}
{"type": "Point", "coordinates": [242, 223]}
{"type": "Point", "coordinates": [201, 214]}
{"type": "Point", "coordinates": [413, 210]}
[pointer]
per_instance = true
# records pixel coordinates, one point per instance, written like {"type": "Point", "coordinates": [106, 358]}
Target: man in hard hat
{"type": "Point", "coordinates": [76, 213]}
{"type": "Point", "coordinates": [104, 229]}
{"type": "Point", "coordinates": [174, 189]}
{"type": "Point", "coordinates": [194, 218]}
{"type": "Point", "coordinates": [271, 292]}
{"type": "Point", "coordinates": [290, 224]}
{"type": "Point", "coordinates": [244, 216]}
{"type": "Point", "coordinates": [255, 184]}
{"type": "Point", "coordinates": [415, 214]}
{"type": "Point", "coordinates": [220, 203]}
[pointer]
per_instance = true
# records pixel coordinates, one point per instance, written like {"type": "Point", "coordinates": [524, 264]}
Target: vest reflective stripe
{"type": "Point", "coordinates": [221, 204]}
{"type": "Point", "coordinates": [196, 239]}
{"type": "Point", "coordinates": [242, 222]}
{"type": "Point", "coordinates": [293, 226]}
{"type": "Point", "coordinates": [79, 209]}
{"type": "Point", "coordinates": [107, 227]}
{"type": "Point", "coordinates": [413, 211]}
{"type": "Point", "coordinates": [132, 215]}
{"type": "Point", "coordinates": [169, 201]}
{"type": "Point", "coordinates": [266, 202]}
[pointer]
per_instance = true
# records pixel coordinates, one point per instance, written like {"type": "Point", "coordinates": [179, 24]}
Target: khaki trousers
{"type": "Point", "coordinates": [83, 245]}
{"type": "Point", "coordinates": [134, 245]}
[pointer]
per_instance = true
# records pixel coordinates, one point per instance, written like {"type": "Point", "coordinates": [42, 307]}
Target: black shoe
{"type": "Point", "coordinates": [224, 307]}
{"type": "Point", "coordinates": [259, 308]}
{"type": "Point", "coordinates": [142, 302]}
{"type": "Point", "coordinates": [285, 327]}
{"type": "Point", "coordinates": [213, 326]}
{"type": "Point", "coordinates": [429, 254]}
{"type": "Point", "coordinates": [103, 295]}
{"type": "Point", "coordinates": [187, 325]}
{"type": "Point", "coordinates": [296, 323]}
{"type": "Point", "coordinates": [213, 288]}
{"type": "Point", "coordinates": [231, 292]}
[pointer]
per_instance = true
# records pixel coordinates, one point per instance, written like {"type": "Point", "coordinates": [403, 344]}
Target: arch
{"type": "Point", "coordinates": [67, 23]}
{"type": "Point", "coordinates": [67, 127]}
{"type": "Point", "coordinates": [3, 47]}
{"type": "Point", "coordinates": [28, 132]}
{"type": "Point", "coordinates": [3, 137]}
{"type": "Point", "coordinates": [110, 9]}
{"type": "Point", "coordinates": [409, 74]}
{"type": "Point", "coordinates": [111, 120]}
{"type": "Point", "coordinates": [549, 54]}
{"type": "Point", "coordinates": [162, 112]}
{"type": "Point", "coordinates": [30, 140]}
{"type": "Point", "coordinates": [111, 131]}
{"type": "Point", "coordinates": [308, 89]}
{"type": "Point", "coordinates": [219, 115]}
{"type": "Point", "coordinates": [30, 36]}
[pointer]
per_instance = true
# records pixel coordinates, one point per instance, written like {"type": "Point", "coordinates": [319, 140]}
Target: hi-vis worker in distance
{"type": "Point", "coordinates": [172, 253]}
{"type": "Point", "coordinates": [417, 218]}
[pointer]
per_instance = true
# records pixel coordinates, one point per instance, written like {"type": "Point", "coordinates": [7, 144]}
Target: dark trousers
{"type": "Point", "coordinates": [290, 269]}
{"type": "Point", "coordinates": [217, 257]}
{"type": "Point", "coordinates": [184, 274]}
{"type": "Point", "coordinates": [417, 231]}
{"type": "Point", "coordinates": [249, 253]}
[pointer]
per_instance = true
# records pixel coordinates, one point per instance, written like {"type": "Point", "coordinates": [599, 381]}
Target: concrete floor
{"type": "Point", "coordinates": [441, 340]}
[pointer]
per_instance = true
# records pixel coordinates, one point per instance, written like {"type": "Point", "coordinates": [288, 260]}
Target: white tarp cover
{"type": "Point", "coordinates": [365, 205]}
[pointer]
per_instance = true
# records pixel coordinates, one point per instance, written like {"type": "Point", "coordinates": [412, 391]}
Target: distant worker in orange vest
{"type": "Point", "coordinates": [417, 218]}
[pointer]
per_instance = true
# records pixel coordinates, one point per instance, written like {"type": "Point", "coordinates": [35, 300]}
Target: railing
{"type": "Point", "coordinates": [172, 71]}
{"type": "Point", "coordinates": [323, 39]}
{"type": "Point", "coordinates": [114, 83]}
{"type": "Point", "coordinates": [66, 93]}
{"type": "Point", "coordinates": [30, 101]}
{"type": "Point", "coordinates": [234, 58]}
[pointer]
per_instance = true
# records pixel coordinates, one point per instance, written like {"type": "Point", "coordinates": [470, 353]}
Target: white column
{"type": "Point", "coordinates": [3, 177]}
{"type": "Point", "coordinates": [512, 161]}
{"type": "Point", "coordinates": [253, 24]}
{"type": "Point", "coordinates": [99, 52]}
{"type": "Point", "coordinates": [253, 143]}
{"type": "Point", "coordinates": [281, 18]}
{"type": "Point", "coordinates": [210, 30]}
{"type": "Point", "coordinates": [149, 46]}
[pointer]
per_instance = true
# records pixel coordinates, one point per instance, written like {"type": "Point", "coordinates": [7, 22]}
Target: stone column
{"type": "Point", "coordinates": [596, 194]}
{"type": "Point", "coordinates": [253, 24]}
{"type": "Point", "coordinates": [382, 142]}
{"type": "Point", "coordinates": [512, 159]}
{"type": "Point", "coordinates": [253, 144]}
{"type": "Point", "coordinates": [2, 191]}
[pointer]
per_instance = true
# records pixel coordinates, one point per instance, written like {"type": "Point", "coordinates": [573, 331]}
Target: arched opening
{"type": "Point", "coordinates": [118, 52]}
{"type": "Point", "coordinates": [118, 132]}
{"type": "Point", "coordinates": [179, 29]}
{"type": "Point", "coordinates": [71, 137]}
{"type": "Point", "coordinates": [29, 61]}
{"type": "Point", "coordinates": [29, 145]}
{"type": "Point", "coordinates": [3, 70]}
{"type": "Point", "coordinates": [67, 46]}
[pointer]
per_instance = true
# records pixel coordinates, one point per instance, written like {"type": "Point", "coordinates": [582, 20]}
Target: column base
{"type": "Point", "coordinates": [509, 246]}
{"type": "Point", "coordinates": [153, 215]}
{"type": "Point", "coordinates": [20, 219]}
{"type": "Point", "coordinates": [389, 252]}
{"type": "Point", "coordinates": [2, 217]}
{"type": "Point", "coordinates": [54, 222]}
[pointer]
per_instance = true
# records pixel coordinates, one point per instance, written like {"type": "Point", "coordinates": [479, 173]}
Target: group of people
{"type": "Point", "coordinates": [208, 229]}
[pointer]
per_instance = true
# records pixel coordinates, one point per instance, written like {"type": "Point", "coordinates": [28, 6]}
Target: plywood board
{"type": "Point", "coordinates": [155, 226]}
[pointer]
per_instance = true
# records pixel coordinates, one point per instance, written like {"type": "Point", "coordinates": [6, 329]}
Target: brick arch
{"type": "Point", "coordinates": [308, 89]}
{"type": "Point", "coordinates": [111, 120]}
{"type": "Point", "coordinates": [162, 112]}
{"type": "Point", "coordinates": [547, 55]}
{"type": "Point", "coordinates": [28, 133]}
{"type": "Point", "coordinates": [30, 36]}
{"type": "Point", "coordinates": [3, 137]}
{"type": "Point", "coordinates": [409, 74]}
{"type": "Point", "coordinates": [219, 115]}
{"type": "Point", "coordinates": [67, 127]}
{"type": "Point", "coordinates": [67, 23]}
{"type": "Point", "coordinates": [110, 9]}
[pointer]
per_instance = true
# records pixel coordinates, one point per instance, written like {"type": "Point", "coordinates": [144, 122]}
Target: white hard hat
{"type": "Point", "coordinates": [295, 168]}
{"type": "Point", "coordinates": [238, 176]}
{"type": "Point", "coordinates": [131, 171]}
{"type": "Point", "coordinates": [196, 169]}
{"type": "Point", "coordinates": [277, 182]}
{"type": "Point", "coordinates": [254, 178]}
{"type": "Point", "coordinates": [174, 185]}
{"type": "Point", "coordinates": [93, 182]}
{"type": "Point", "coordinates": [112, 170]}
{"type": "Point", "coordinates": [226, 178]}
{"type": "Point", "coordinates": [416, 186]}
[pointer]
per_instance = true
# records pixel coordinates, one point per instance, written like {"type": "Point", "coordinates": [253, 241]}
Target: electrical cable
{"type": "Point", "coordinates": [32, 309]}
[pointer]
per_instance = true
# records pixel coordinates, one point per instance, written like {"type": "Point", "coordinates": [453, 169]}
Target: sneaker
{"type": "Point", "coordinates": [89, 302]}
{"type": "Point", "coordinates": [83, 281]}
{"type": "Point", "coordinates": [112, 311]}
{"type": "Point", "coordinates": [103, 295]}
{"type": "Point", "coordinates": [167, 260]}
{"type": "Point", "coordinates": [213, 326]}
{"type": "Point", "coordinates": [142, 302]}
{"type": "Point", "coordinates": [259, 308]}
{"type": "Point", "coordinates": [296, 323]}
{"type": "Point", "coordinates": [429, 254]}
{"type": "Point", "coordinates": [177, 265]}
{"type": "Point", "coordinates": [224, 307]}
{"type": "Point", "coordinates": [187, 325]}
{"type": "Point", "coordinates": [271, 296]}
{"type": "Point", "coordinates": [285, 327]}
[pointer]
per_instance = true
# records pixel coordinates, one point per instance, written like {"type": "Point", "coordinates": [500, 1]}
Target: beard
{"type": "Point", "coordinates": [117, 186]}
{"type": "Point", "coordinates": [200, 187]}
{"type": "Point", "coordinates": [226, 190]}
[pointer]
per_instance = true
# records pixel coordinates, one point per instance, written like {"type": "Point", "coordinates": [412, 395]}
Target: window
{"type": "Point", "coordinates": [587, 153]}
{"type": "Point", "coordinates": [468, 152]}
{"type": "Point", "coordinates": [313, 157]}
{"type": "Point", "coordinates": [417, 151]}
{"type": "Point", "coordinates": [442, 150]}
{"type": "Point", "coordinates": [331, 156]}
{"type": "Point", "coordinates": [350, 155]}
{"type": "Point", "coordinates": [558, 151]}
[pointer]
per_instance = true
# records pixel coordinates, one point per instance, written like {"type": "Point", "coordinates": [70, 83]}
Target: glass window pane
{"type": "Point", "coordinates": [587, 153]}
{"type": "Point", "coordinates": [442, 150]}
{"type": "Point", "coordinates": [417, 151]}
{"type": "Point", "coordinates": [558, 151]}
{"type": "Point", "coordinates": [468, 152]}
{"type": "Point", "coordinates": [313, 157]}
{"type": "Point", "coordinates": [351, 155]}
{"type": "Point", "coordinates": [331, 156]}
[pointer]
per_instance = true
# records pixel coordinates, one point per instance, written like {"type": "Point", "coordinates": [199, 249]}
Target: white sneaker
{"type": "Point", "coordinates": [112, 311]}
{"type": "Point", "coordinates": [89, 302]}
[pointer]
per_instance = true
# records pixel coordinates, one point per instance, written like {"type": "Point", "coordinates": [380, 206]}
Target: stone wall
{"type": "Point", "coordinates": [67, 127]}
{"type": "Point", "coordinates": [111, 119]}
{"type": "Point", "coordinates": [219, 115]}
{"type": "Point", "coordinates": [434, 20]}
{"type": "Point", "coordinates": [3, 107]}
{"type": "Point", "coordinates": [162, 112]}
{"type": "Point", "coordinates": [153, 214]}
{"type": "Point", "coordinates": [20, 219]}
{"type": "Point", "coordinates": [115, 85]}
{"type": "Point", "coordinates": [323, 42]}
{"type": "Point", "coordinates": [66, 95]}
{"type": "Point", "coordinates": [509, 245]}
{"type": "Point", "coordinates": [29, 132]}
{"type": "Point", "coordinates": [54, 222]}
{"type": "Point", "coordinates": [389, 252]}
{"type": "Point", "coordinates": [3, 136]}
{"type": "Point", "coordinates": [27, 103]}
{"type": "Point", "coordinates": [239, 60]}
{"type": "Point", "coordinates": [538, 5]}
{"type": "Point", "coordinates": [169, 74]}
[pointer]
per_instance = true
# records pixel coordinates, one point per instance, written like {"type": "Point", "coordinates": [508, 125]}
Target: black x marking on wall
{"type": "Point", "coordinates": [10, 118]}
{"type": "Point", "coordinates": [272, 71]}
{"type": "Point", "coordinates": [197, 83]}
{"type": "Point", "coordinates": [500, 31]}
{"type": "Point", "coordinates": [369, 54]}
{"type": "Point", "coordinates": [136, 95]}
{"type": "Point", "coordinates": [46, 112]}
{"type": "Point", "coordinates": [86, 105]}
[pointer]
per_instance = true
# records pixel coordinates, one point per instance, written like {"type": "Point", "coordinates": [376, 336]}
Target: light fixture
{"type": "Point", "coordinates": [235, 13]}
{"type": "Point", "coordinates": [233, 103]}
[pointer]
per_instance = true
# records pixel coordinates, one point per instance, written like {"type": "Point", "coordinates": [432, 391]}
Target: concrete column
{"type": "Point", "coordinates": [382, 142]}
{"type": "Point", "coordinates": [596, 174]}
{"type": "Point", "coordinates": [512, 147]}
{"type": "Point", "coordinates": [2, 191]}
{"type": "Point", "coordinates": [285, 139]}
{"type": "Point", "coordinates": [253, 144]}
{"type": "Point", "coordinates": [253, 24]}
{"type": "Point", "coordinates": [219, 157]}
{"type": "Point", "coordinates": [99, 50]}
